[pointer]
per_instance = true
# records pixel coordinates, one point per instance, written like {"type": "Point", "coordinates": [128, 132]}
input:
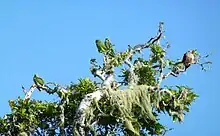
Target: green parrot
{"type": "Point", "coordinates": [101, 46]}
{"type": "Point", "coordinates": [39, 82]}
{"type": "Point", "coordinates": [107, 43]}
{"type": "Point", "coordinates": [109, 47]}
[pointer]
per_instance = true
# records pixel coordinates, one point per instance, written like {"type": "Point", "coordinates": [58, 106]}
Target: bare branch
{"type": "Point", "coordinates": [204, 63]}
{"type": "Point", "coordinates": [132, 78]}
{"type": "Point", "coordinates": [29, 92]}
{"type": "Point", "coordinates": [62, 119]}
{"type": "Point", "coordinates": [108, 80]}
{"type": "Point", "coordinates": [157, 38]}
{"type": "Point", "coordinates": [164, 90]}
{"type": "Point", "coordinates": [161, 73]}
{"type": "Point", "coordinates": [80, 116]}
{"type": "Point", "coordinates": [99, 73]}
{"type": "Point", "coordinates": [152, 40]}
{"type": "Point", "coordinates": [173, 74]}
{"type": "Point", "coordinates": [96, 70]}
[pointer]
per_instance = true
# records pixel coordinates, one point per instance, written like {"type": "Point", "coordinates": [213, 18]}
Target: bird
{"type": "Point", "coordinates": [188, 58]}
{"type": "Point", "coordinates": [38, 81]}
{"type": "Point", "coordinates": [105, 47]}
{"type": "Point", "coordinates": [109, 46]}
{"type": "Point", "coordinates": [107, 43]}
{"type": "Point", "coordinates": [101, 46]}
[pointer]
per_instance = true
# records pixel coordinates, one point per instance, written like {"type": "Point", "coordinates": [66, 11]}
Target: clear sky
{"type": "Point", "coordinates": [55, 39]}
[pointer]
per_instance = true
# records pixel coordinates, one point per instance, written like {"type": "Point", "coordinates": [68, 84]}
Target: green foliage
{"type": "Point", "coordinates": [118, 59]}
{"type": "Point", "coordinates": [140, 107]}
{"type": "Point", "coordinates": [29, 115]}
{"type": "Point", "coordinates": [177, 104]}
{"type": "Point", "coordinates": [157, 53]}
{"type": "Point", "coordinates": [131, 111]}
{"type": "Point", "coordinates": [84, 86]}
{"type": "Point", "coordinates": [146, 74]}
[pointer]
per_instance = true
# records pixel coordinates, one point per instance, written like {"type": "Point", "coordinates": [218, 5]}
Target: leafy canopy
{"type": "Point", "coordinates": [130, 105]}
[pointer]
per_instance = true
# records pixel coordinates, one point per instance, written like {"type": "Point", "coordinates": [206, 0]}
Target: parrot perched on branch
{"type": "Point", "coordinates": [101, 46]}
{"type": "Point", "coordinates": [108, 43]}
{"type": "Point", "coordinates": [39, 82]}
{"type": "Point", "coordinates": [105, 47]}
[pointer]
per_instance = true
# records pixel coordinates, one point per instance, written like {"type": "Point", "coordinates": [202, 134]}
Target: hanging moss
{"type": "Point", "coordinates": [126, 102]}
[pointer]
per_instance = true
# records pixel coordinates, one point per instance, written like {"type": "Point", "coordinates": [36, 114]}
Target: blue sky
{"type": "Point", "coordinates": [56, 40]}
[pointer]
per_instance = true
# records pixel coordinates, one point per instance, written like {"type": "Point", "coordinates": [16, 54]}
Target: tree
{"type": "Point", "coordinates": [127, 102]}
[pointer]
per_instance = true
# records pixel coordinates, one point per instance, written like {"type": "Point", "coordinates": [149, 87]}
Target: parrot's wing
{"type": "Point", "coordinates": [100, 45]}
{"type": "Point", "coordinates": [40, 81]}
